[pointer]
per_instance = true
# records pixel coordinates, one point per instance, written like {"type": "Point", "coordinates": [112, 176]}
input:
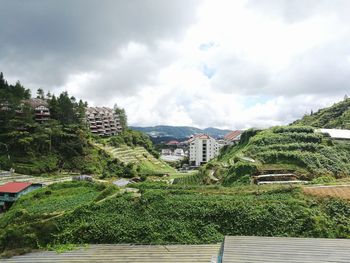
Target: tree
{"type": "Point", "coordinates": [40, 94]}
{"type": "Point", "coordinates": [122, 117]}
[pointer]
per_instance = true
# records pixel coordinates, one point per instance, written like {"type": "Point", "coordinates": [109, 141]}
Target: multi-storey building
{"type": "Point", "coordinates": [40, 108]}
{"type": "Point", "coordinates": [202, 148]}
{"type": "Point", "coordinates": [103, 121]}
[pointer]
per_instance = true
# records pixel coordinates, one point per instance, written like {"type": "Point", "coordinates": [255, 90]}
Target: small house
{"type": "Point", "coordinates": [10, 192]}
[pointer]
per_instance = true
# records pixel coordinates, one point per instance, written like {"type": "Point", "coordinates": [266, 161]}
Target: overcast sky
{"type": "Point", "coordinates": [229, 64]}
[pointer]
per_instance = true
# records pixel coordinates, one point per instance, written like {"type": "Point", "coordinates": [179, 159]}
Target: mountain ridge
{"type": "Point", "coordinates": [179, 131]}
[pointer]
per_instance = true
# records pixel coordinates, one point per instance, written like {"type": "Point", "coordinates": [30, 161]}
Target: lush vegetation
{"type": "Point", "coordinates": [167, 214]}
{"type": "Point", "coordinates": [133, 138]}
{"type": "Point", "coordinates": [336, 116]}
{"type": "Point", "coordinates": [62, 143]}
{"type": "Point", "coordinates": [297, 149]}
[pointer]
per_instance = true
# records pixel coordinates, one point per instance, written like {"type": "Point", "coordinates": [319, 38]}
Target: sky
{"type": "Point", "coordinates": [204, 63]}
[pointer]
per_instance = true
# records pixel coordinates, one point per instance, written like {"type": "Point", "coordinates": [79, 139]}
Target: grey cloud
{"type": "Point", "coordinates": [323, 70]}
{"type": "Point", "coordinates": [41, 42]}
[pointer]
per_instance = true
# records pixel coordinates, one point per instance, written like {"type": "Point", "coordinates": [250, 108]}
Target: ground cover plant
{"type": "Point", "coordinates": [165, 214]}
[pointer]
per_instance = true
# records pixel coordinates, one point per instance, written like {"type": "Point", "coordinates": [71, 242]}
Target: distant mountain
{"type": "Point", "coordinates": [336, 116]}
{"type": "Point", "coordinates": [179, 132]}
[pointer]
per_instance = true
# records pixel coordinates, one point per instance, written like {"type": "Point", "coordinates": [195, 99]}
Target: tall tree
{"type": "Point", "coordinates": [40, 94]}
{"type": "Point", "coordinates": [122, 117]}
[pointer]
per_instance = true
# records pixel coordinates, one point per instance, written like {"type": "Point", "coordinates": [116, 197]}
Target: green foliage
{"type": "Point", "coordinates": [111, 189]}
{"type": "Point", "coordinates": [240, 173]}
{"type": "Point", "coordinates": [133, 138]}
{"type": "Point", "coordinates": [169, 214]}
{"type": "Point", "coordinates": [295, 149]}
{"type": "Point", "coordinates": [323, 179]}
{"type": "Point", "coordinates": [336, 116]}
{"type": "Point", "coordinates": [246, 135]}
{"type": "Point", "coordinates": [122, 117]}
{"type": "Point", "coordinates": [194, 179]}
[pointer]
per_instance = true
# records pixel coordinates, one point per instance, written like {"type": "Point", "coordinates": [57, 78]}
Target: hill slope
{"type": "Point", "coordinates": [336, 116]}
{"type": "Point", "coordinates": [146, 162]}
{"type": "Point", "coordinates": [81, 213]}
{"type": "Point", "coordinates": [179, 132]}
{"type": "Point", "coordinates": [284, 149]}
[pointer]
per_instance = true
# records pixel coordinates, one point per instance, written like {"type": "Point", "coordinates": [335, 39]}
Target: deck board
{"type": "Point", "coordinates": [239, 249]}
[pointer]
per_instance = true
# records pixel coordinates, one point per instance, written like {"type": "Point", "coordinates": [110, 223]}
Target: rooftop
{"type": "Point", "coordinates": [241, 249]}
{"type": "Point", "coordinates": [35, 102]}
{"type": "Point", "coordinates": [235, 249]}
{"type": "Point", "coordinates": [14, 187]}
{"type": "Point", "coordinates": [337, 133]}
{"type": "Point", "coordinates": [232, 135]}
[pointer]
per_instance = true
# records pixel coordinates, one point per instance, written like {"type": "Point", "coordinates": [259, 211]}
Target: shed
{"type": "Point", "coordinates": [10, 192]}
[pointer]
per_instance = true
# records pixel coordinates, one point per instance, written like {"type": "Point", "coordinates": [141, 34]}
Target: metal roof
{"type": "Point", "coordinates": [337, 133]}
{"type": "Point", "coordinates": [14, 187]}
{"type": "Point", "coordinates": [239, 249]}
{"type": "Point", "coordinates": [127, 253]}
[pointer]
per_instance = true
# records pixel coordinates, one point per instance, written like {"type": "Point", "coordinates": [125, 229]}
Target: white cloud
{"type": "Point", "coordinates": [230, 64]}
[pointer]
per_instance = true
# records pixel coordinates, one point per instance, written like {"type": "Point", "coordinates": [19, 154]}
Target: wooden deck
{"type": "Point", "coordinates": [127, 253]}
{"type": "Point", "coordinates": [287, 250]}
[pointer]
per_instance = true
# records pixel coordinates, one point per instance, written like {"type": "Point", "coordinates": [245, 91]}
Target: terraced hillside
{"type": "Point", "coordinates": [147, 163]}
{"type": "Point", "coordinates": [32, 179]}
{"type": "Point", "coordinates": [296, 150]}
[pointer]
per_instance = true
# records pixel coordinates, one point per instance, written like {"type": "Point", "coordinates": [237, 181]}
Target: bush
{"type": "Point", "coordinates": [240, 170]}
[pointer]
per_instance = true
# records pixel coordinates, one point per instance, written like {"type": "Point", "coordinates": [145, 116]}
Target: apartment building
{"type": "Point", "coordinates": [40, 108]}
{"type": "Point", "coordinates": [203, 148]}
{"type": "Point", "coordinates": [103, 121]}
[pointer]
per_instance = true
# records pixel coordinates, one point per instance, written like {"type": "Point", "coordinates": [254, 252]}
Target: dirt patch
{"type": "Point", "coordinates": [329, 191]}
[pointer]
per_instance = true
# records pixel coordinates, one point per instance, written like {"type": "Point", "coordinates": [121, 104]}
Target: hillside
{"type": "Point", "coordinates": [88, 213]}
{"type": "Point", "coordinates": [62, 142]}
{"type": "Point", "coordinates": [336, 116]}
{"type": "Point", "coordinates": [180, 132]}
{"type": "Point", "coordinates": [295, 149]}
{"type": "Point", "coordinates": [146, 163]}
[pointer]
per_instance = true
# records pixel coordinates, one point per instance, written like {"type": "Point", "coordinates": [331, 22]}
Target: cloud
{"type": "Point", "coordinates": [230, 64]}
{"type": "Point", "coordinates": [43, 42]}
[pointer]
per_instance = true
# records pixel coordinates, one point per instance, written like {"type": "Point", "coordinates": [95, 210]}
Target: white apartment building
{"type": "Point", "coordinates": [103, 121]}
{"type": "Point", "coordinates": [203, 148]}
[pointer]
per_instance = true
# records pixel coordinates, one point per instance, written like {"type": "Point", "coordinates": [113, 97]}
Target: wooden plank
{"type": "Point", "coordinates": [239, 249]}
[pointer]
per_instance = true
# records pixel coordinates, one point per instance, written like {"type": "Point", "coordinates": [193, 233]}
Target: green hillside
{"type": "Point", "coordinates": [294, 149]}
{"type": "Point", "coordinates": [336, 116]}
{"type": "Point", "coordinates": [146, 162]}
{"type": "Point", "coordinates": [80, 213]}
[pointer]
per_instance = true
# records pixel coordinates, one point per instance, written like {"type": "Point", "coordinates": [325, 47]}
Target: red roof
{"type": "Point", "coordinates": [14, 187]}
{"type": "Point", "coordinates": [173, 142]}
{"type": "Point", "coordinates": [232, 135]}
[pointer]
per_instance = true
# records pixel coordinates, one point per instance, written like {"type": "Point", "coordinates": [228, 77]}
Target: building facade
{"type": "Point", "coordinates": [202, 148]}
{"type": "Point", "coordinates": [40, 108]}
{"type": "Point", "coordinates": [103, 121]}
